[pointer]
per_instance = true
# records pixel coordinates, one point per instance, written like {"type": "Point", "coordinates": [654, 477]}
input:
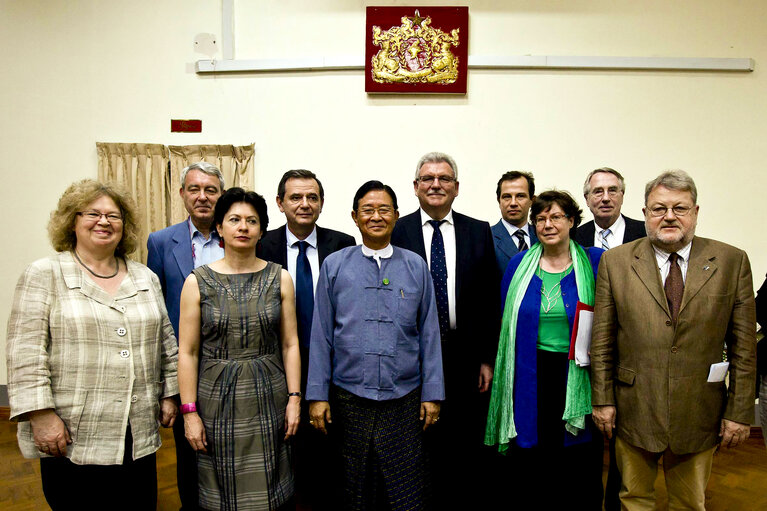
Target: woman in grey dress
{"type": "Point", "coordinates": [239, 366]}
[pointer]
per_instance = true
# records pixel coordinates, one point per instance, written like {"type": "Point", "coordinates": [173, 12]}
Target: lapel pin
{"type": "Point", "coordinates": [385, 282]}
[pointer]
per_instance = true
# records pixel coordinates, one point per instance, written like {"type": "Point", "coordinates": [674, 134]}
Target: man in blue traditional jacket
{"type": "Point", "coordinates": [375, 360]}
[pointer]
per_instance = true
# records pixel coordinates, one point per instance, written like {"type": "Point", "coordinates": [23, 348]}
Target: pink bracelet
{"type": "Point", "coordinates": [188, 408]}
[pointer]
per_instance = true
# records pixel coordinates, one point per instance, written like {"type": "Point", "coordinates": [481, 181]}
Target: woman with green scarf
{"type": "Point", "coordinates": [540, 400]}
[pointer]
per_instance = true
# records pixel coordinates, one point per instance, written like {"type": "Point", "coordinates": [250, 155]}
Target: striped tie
{"type": "Point", "coordinates": [604, 234]}
{"type": "Point", "coordinates": [522, 244]}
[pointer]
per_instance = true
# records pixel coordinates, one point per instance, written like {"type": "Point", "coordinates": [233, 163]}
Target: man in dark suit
{"type": "Point", "coordinates": [513, 232]}
{"type": "Point", "coordinates": [603, 191]}
{"type": "Point", "coordinates": [173, 253]}
{"type": "Point", "coordinates": [666, 307]}
{"type": "Point", "coordinates": [459, 252]}
{"type": "Point", "coordinates": [301, 246]}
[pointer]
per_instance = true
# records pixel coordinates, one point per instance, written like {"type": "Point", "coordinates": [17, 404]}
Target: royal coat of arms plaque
{"type": "Point", "coordinates": [416, 49]}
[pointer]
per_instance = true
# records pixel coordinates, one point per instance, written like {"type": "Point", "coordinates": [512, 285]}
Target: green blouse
{"type": "Point", "coordinates": [553, 327]}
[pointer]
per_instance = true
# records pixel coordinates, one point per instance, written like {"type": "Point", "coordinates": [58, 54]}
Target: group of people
{"type": "Point", "coordinates": [436, 357]}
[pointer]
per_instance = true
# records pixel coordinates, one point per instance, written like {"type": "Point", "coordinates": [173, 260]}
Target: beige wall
{"type": "Point", "coordinates": [80, 71]}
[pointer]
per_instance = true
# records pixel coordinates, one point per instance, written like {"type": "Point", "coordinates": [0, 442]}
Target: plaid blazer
{"type": "Point", "coordinates": [100, 361]}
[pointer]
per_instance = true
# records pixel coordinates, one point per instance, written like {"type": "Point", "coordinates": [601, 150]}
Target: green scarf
{"type": "Point", "coordinates": [500, 418]}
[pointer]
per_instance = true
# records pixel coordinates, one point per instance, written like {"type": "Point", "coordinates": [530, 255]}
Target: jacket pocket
{"type": "Point", "coordinates": [625, 376]}
{"type": "Point", "coordinates": [70, 406]}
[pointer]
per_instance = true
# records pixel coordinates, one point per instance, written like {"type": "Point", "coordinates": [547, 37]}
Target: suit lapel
{"type": "Point", "coordinates": [323, 244]}
{"type": "Point", "coordinates": [182, 250]}
{"type": "Point", "coordinates": [646, 268]}
{"type": "Point", "coordinates": [414, 232]}
{"type": "Point", "coordinates": [462, 249]}
{"type": "Point", "coordinates": [701, 267]}
{"type": "Point", "coordinates": [503, 241]}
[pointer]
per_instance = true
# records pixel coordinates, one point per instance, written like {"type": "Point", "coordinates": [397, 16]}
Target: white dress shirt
{"type": "Point", "coordinates": [311, 253]}
{"type": "Point", "coordinates": [512, 229]}
{"type": "Point", "coordinates": [448, 237]}
{"type": "Point", "coordinates": [661, 257]}
{"type": "Point", "coordinates": [615, 238]}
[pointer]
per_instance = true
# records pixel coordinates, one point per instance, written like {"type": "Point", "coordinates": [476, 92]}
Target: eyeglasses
{"type": "Point", "coordinates": [659, 211]}
{"type": "Point", "coordinates": [611, 192]}
{"type": "Point", "coordinates": [94, 216]}
{"type": "Point", "coordinates": [443, 180]}
{"type": "Point", "coordinates": [555, 219]}
{"type": "Point", "coordinates": [382, 211]}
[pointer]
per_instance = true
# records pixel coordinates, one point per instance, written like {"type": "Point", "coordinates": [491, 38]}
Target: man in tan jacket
{"type": "Point", "coordinates": [666, 308]}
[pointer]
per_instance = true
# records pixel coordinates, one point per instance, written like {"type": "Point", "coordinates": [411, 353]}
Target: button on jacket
{"type": "Point", "coordinates": [99, 360]}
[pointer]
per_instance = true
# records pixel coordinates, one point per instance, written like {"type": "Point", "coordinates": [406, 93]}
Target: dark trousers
{"type": "Point", "coordinates": [186, 468]}
{"type": "Point", "coordinates": [553, 474]}
{"type": "Point", "coordinates": [462, 467]}
{"type": "Point", "coordinates": [130, 486]}
{"type": "Point", "coordinates": [317, 464]}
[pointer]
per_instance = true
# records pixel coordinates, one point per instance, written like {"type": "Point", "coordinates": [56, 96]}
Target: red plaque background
{"type": "Point", "coordinates": [443, 18]}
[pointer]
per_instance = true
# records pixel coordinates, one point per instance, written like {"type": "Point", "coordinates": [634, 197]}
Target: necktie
{"type": "Point", "coordinates": [439, 276]}
{"type": "Point", "coordinates": [604, 234]}
{"type": "Point", "coordinates": [674, 286]}
{"type": "Point", "coordinates": [304, 294]}
{"type": "Point", "coordinates": [521, 244]}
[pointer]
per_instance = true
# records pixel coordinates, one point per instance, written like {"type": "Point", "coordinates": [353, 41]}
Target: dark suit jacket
{"type": "Point", "coordinates": [477, 282]}
{"type": "Point", "coordinates": [584, 236]}
{"type": "Point", "coordinates": [506, 246]}
{"type": "Point", "coordinates": [170, 257]}
{"type": "Point", "coordinates": [655, 373]}
{"type": "Point", "coordinates": [274, 245]}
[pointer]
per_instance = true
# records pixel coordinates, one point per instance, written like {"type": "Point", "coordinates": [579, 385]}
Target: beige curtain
{"type": "Point", "coordinates": [151, 173]}
{"type": "Point", "coordinates": [142, 169]}
{"type": "Point", "coordinates": [235, 163]}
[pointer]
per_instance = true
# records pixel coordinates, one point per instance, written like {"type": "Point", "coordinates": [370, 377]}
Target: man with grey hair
{"type": "Point", "coordinates": [603, 190]}
{"type": "Point", "coordinates": [667, 307]}
{"type": "Point", "coordinates": [173, 253]}
{"type": "Point", "coordinates": [461, 258]}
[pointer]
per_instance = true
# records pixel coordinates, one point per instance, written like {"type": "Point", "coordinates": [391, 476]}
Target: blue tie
{"type": "Point", "coordinates": [439, 276]}
{"type": "Point", "coordinates": [304, 295]}
{"type": "Point", "coordinates": [604, 234]}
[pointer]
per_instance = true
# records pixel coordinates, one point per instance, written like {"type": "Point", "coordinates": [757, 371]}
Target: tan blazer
{"type": "Point", "coordinates": [98, 360]}
{"type": "Point", "coordinates": [655, 374]}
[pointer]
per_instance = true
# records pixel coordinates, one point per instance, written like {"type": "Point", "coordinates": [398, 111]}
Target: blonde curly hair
{"type": "Point", "coordinates": [61, 227]}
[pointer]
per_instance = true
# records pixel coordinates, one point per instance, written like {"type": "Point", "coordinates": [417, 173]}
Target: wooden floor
{"type": "Point", "coordinates": [738, 480]}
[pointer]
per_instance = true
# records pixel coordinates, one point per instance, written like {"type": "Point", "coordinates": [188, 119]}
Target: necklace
{"type": "Point", "coordinates": [553, 294]}
{"type": "Point", "coordinates": [117, 267]}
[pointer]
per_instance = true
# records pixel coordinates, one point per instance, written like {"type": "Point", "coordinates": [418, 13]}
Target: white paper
{"type": "Point", "coordinates": [718, 372]}
{"type": "Point", "coordinates": [583, 338]}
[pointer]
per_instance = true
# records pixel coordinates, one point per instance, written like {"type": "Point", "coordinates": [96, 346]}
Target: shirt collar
{"type": "Point", "coordinates": [616, 226]}
{"type": "Point", "coordinates": [683, 253]}
{"type": "Point", "coordinates": [194, 231]}
{"type": "Point", "coordinates": [513, 228]}
{"type": "Point", "coordinates": [425, 218]}
{"type": "Point", "coordinates": [292, 239]}
{"type": "Point", "coordinates": [384, 253]}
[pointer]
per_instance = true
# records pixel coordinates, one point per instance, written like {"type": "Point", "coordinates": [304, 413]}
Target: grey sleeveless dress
{"type": "Point", "coordinates": [242, 392]}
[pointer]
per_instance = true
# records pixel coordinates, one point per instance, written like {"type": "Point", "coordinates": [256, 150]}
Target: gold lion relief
{"type": "Point", "coordinates": [414, 52]}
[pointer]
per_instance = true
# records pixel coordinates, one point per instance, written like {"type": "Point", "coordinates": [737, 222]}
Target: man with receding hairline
{"type": "Point", "coordinates": [603, 190]}
{"type": "Point", "coordinates": [461, 258]}
{"type": "Point", "coordinates": [173, 253]}
{"type": "Point", "coordinates": [301, 246]}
